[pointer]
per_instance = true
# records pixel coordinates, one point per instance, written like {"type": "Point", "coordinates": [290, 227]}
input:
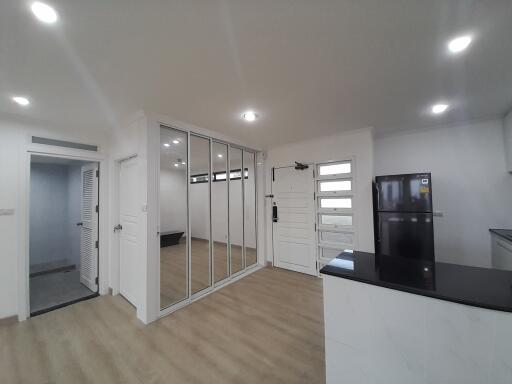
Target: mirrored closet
{"type": "Point", "coordinates": [207, 214]}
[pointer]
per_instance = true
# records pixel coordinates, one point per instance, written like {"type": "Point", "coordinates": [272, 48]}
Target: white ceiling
{"type": "Point", "coordinates": [307, 67]}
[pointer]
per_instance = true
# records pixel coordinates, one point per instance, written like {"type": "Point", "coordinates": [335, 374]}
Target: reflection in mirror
{"type": "Point", "coordinates": [220, 212]}
{"type": "Point", "coordinates": [249, 208]}
{"type": "Point", "coordinates": [235, 210]}
{"type": "Point", "coordinates": [200, 212]}
{"type": "Point", "coordinates": [173, 217]}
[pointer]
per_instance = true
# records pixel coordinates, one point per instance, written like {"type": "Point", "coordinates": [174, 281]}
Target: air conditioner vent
{"type": "Point", "coordinates": [64, 144]}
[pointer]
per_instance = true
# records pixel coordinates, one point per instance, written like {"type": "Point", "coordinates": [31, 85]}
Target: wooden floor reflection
{"type": "Point", "coordinates": [173, 267]}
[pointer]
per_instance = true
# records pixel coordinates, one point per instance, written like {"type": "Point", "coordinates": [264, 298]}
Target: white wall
{"type": "Point", "coordinates": [49, 214]}
{"type": "Point", "coordinates": [470, 185]}
{"type": "Point", "coordinates": [10, 176]}
{"type": "Point", "coordinates": [14, 141]}
{"type": "Point", "coordinates": [356, 144]}
{"type": "Point", "coordinates": [507, 130]}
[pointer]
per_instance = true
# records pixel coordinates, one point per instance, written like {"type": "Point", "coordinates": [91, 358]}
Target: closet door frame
{"type": "Point", "coordinates": [202, 292]}
{"type": "Point", "coordinates": [228, 246]}
{"type": "Point", "coordinates": [242, 178]}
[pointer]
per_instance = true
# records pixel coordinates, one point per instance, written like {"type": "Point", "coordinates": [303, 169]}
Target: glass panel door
{"type": "Point", "coordinates": [173, 217]}
{"type": "Point", "coordinates": [236, 214]}
{"type": "Point", "coordinates": [200, 213]}
{"type": "Point", "coordinates": [249, 208]}
{"type": "Point", "coordinates": [220, 211]}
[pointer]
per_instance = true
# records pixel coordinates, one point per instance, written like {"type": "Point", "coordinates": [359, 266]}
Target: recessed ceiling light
{"type": "Point", "coordinates": [44, 12]}
{"type": "Point", "coordinates": [183, 163]}
{"type": "Point", "coordinates": [249, 116]}
{"type": "Point", "coordinates": [220, 156]}
{"type": "Point", "coordinates": [167, 145]}
{"type": "Point", "coordinates": [176, 165]}
{"type": "Point", "coordinates": [439, 108]}
{"type": "Point", "coordinates": [459, 44]}
{"type": "Point", "coordinates": [175, 141]}
{"type": "Point", "coordinates": [23, 101]}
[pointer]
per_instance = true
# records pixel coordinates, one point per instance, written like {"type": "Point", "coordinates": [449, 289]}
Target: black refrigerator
{"type": "Point", "coordinates": [403, 214]}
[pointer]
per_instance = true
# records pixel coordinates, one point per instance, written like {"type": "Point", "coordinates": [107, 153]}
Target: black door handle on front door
{"type": "Point", "coordinates": [274, 214]}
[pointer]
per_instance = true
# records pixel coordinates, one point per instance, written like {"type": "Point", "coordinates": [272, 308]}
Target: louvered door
{"type": "Point", "coordinates": [89, 233]}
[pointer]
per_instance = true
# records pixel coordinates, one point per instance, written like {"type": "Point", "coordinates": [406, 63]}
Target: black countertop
{"type": "Point", "coordinates": [505, 233]}
{"type": "Point", "coordinates": [478, 287]}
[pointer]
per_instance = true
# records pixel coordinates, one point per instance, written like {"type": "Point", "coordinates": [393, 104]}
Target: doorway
{"type": "Point", "coordinates": [63, 232]}
{"type": "Point", "coordinates": [293, 219]}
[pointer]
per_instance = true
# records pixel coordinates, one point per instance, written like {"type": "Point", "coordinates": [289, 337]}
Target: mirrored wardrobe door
{"type": "Point", "coordinates": [236, 218]}
{"type": "Point", "coordinates": [250, 208]}
{"type": "Point", "coordinates": [173, 217]}
{"type": "Point", "coordinates": [200, 213]}
{"type": "Point", "coordinates": [220, 211]}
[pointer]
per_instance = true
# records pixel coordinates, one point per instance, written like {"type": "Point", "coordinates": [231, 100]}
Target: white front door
{"type": "Point", "coordinates": [293, 208]}
{"type": "Point", "coordinates": [89, 228]}
{"type": "Point", "coordinates": [128, 220]}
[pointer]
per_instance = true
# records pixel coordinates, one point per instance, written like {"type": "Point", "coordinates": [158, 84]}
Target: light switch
{"type": "Point", "coordinates": [7, 212]}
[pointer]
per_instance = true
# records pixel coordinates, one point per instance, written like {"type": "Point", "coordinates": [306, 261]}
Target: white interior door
{"type": "Point", "coordinates": [89, 228]}
{"type": "Point", "coordinates": [294, 229]}
{"type": "Point", "coordinates": [128, 220]}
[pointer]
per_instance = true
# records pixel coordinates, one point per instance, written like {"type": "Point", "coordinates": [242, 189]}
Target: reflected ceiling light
{"type": "Point", "coordinates": [176, 165]}
{"type": "Point", "coordinates": [44, 12]}
{"type": "Point", "coordinates": [220, 156]}
{"type": "Point", "coordinates": [249, 116]}
{"type": "Point", "coordinates": [183, 163]}
{"type": "Point", "coordinates": [167, 145]}
{"type": "Point", "coordinates": [175, 141]}
{"type": "Point", "coordinates": [23, 101]}
{"type": "Point", "coordinates": [459, 44]}
{"type": "Point", "coordinates": [437, 109]}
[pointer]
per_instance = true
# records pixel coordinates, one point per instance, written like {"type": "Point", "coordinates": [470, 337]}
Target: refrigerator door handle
{"type": "Point", "coordinates": [378, 230]}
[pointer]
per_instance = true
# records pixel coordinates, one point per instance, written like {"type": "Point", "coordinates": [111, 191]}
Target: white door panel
{"type": "Point", "coordinates": [89, 228]}
{"type": "Point", "coordinates": [128, 218]}
{"type": "Point", "coordinates": [294, 253]}
{"type": "Point", "coordinates": [294, 232]}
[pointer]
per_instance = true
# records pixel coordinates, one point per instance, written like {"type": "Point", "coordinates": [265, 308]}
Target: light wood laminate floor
{"type": "Point", "coordinates": [264, 328]}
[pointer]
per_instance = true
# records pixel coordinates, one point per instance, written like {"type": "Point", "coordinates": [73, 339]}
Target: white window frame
{"type": "Point", "coordinates": [322, 244]}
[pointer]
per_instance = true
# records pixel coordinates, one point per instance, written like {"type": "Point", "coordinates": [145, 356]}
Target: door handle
{"type": "Point", "coordinates": [274, 214]}
{"type": "Point", "coordinates": [118, 227]}
{"type": "Point", "coordinates": [79, 224]}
